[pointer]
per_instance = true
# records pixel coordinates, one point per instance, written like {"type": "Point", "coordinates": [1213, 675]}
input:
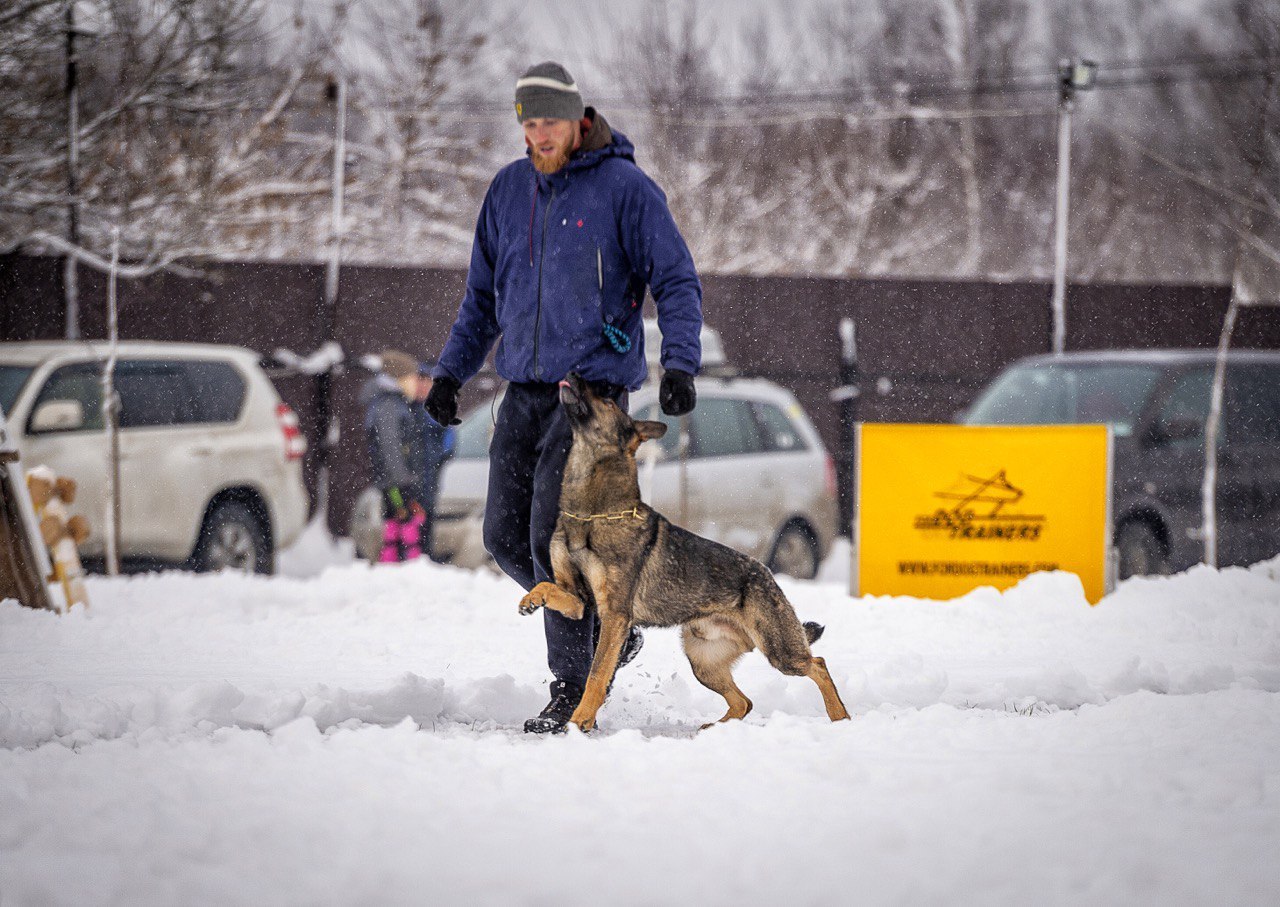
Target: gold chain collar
{"type": "Point", "coordinates": [625, 514]}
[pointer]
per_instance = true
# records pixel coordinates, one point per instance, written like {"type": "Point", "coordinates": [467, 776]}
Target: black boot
{"type": "Point", "coordinates": [555, 717]}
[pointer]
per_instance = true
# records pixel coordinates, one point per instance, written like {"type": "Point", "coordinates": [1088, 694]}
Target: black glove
{"type": "Point", "coordinates": [442, 401]}
{"type": "Point", "coordinates": [676, 393]}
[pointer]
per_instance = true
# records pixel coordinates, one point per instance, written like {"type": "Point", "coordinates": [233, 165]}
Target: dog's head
{"type": "Point", "coordinates": [598, 421]}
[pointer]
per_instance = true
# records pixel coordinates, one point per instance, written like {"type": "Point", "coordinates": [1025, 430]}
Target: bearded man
{"type": "Point", "coordinates": [568, 240]}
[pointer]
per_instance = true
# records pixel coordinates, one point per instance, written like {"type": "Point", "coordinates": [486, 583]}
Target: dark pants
{"type": "Point", "coordinates": [526, 468]}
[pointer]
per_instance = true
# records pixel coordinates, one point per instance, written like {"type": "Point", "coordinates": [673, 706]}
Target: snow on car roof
{"type": "Point", "coordinates": [712, 347]}
{"type": "Point", "coordinates": [1155, 356]}
{"type": "Point", "coordinates": [33, 352]}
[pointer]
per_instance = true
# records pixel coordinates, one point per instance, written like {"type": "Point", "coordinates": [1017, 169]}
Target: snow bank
{"type": "Point", "coordinates": [354, 736]}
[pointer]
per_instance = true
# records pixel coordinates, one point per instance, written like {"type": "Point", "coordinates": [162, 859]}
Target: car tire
{"type": "Point", "coordinates": [795, 553]}
{"type": "Point", "coordinates": [1140, 551]}
{"type": "Point", "coordinates": [233, 538]}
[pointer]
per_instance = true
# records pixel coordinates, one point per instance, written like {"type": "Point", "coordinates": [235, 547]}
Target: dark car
{"type": "Point", "coordinates": [1157, 402]}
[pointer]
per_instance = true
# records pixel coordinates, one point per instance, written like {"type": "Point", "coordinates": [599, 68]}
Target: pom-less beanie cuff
{"type": "Point", "coordinates": [548, 91]}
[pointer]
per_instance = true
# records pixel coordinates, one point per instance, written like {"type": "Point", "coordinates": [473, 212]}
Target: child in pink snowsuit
{"type": "Point", "coordinates": [397, 452]}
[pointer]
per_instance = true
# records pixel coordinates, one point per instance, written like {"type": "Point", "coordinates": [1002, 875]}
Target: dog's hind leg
{"type": "Point", "coordinates": [774, 628]}
{"type": "Point", "coordinates": [830, 698]}
{"type": "Point", "coordinates": [712, 652]}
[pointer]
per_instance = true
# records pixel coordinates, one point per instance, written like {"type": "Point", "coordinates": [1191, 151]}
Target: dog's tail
{"type": "Point", "coordinates": [813, 631]}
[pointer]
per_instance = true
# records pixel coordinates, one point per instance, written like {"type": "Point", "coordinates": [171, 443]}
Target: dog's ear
{"type": "Point", "coordinates": [650, 430]}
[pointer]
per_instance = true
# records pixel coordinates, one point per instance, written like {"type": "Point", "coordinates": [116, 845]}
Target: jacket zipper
{"type": "Point", "coordinates": [542, 252]}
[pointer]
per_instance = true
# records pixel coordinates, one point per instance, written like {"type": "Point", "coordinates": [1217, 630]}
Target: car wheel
{"type": "Point", "coordinates": [1141, 553]}
{"type": "Point", "coordinates": [233, 539]}
{"type": "Point", "coordinates": [366, 525]}
{"type": "Point", "coordinates": [795, 553]}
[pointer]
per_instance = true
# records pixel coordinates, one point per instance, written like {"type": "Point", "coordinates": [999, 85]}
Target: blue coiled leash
{"type": "Point", "coordinates": [619, 339]}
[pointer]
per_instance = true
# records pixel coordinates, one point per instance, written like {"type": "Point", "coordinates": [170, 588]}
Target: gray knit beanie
{"type": "Point", "coordinates": [547, 90]}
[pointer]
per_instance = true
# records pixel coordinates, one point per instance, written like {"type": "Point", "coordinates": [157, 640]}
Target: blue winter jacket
{"type": "Point", "coordinates": [558, 258]}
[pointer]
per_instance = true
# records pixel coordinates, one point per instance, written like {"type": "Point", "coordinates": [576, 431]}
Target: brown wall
{"type": "Point", "coordinates": [936, 343]}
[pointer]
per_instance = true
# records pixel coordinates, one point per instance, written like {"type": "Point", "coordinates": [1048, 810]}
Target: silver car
{"type": "Point", "coordinates": [745, 468]}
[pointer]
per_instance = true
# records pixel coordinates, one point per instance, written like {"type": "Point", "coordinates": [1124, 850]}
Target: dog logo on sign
{"type": "Point", "coordinates": [978, 511]}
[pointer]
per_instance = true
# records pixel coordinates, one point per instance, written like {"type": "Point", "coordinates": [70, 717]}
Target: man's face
{"type": "Point", "coordinates": [424, 387]}
{"type": "Point", "coordinates": [551, 141]}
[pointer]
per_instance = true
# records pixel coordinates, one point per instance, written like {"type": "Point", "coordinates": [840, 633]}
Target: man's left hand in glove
{"type": "Point", "coordinates": [676, 393]}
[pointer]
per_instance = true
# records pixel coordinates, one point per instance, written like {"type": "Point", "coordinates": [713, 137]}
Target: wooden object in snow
{"type": "Point", "coordinates": [52, 495]}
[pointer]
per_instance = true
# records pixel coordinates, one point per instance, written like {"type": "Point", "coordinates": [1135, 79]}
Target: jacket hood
{"type": "Point", "coordinates": [559, 270]}
{"type": "Point", "coordinates": [599, 142]}
{"type": "Point", "coordinates": [377, 386]}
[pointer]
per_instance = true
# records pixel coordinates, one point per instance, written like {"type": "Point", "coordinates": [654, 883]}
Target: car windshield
{"type": "Point", "coordinates": [1053, 393]}
{"type": "Point", "coordinates": [471, 441]}
{"type": "Point", "coordinates": [12, 377]}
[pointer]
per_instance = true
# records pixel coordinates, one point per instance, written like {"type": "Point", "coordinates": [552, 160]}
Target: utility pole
{"type": "Point", "coordinates": [111, 415]}
{"type": "Point", "coordinates": [337, 91]}
{"type": "Point", "coordinates": [848, 395]}
{"type": "Point", "coordinates": [1073, 76]}
{"type": "Point", "coordinates": [85, 24]}
{"type": "Point", "coordinates": [70, 276]}
{"type": "Point", "coordinates": [325, 415]}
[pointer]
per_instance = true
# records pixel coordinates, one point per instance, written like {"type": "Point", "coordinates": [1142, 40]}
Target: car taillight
{"type": "Point", "coordinates": [831, 477]}
{"type": "Point", "coordinates": [295, 445]}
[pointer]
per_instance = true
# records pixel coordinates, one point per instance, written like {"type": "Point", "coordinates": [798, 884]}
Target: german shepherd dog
{"type": "Point", "coordinates": [639, 569]}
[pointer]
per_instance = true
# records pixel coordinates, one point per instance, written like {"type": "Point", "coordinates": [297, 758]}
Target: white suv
{"type": "Point", "coordinates": [210, 458]}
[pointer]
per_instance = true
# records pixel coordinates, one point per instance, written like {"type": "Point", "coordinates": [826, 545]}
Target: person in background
{"type": "Point", "coordinates": [569, 239]}
{"type": "Point", "coordinates": [395, 435]}
{"type": "Point", "coordinates": [437, 446]}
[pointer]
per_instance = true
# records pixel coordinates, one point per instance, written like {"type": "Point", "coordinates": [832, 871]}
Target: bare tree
{"type": "Point", "coordinates": [179, 129]}
{"type": "Point", "coordinates": [427, 146]}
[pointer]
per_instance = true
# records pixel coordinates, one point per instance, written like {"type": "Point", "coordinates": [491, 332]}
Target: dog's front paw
{"type": "Point", "coordinates": [534, 599]}
{"type": "Point", "coordinates": [583, 718]}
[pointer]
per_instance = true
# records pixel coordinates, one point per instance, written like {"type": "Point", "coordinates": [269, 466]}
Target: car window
{"type": "Point", "coordinates": [219, 389]}
{"type": "Point", "coordinates": [471, 441]}
{"type": "Point", "coordinates": [1251, 404]}
{"type": "Point", "coordinates": [1187, 400]}
{"type": "Point", "coordinates": [777, 433]}
{"type": "Point", "coordinates": [80, 382]}
{"type": "Point", "coordinates": [724, 427]}
{"type": "Point", "coordinates": [12, 377]}
{"type": "Point", "coordinates": [154, 393]}
{"type": "Point", "coordinates": [1059, 393]}
{"type": "Point", "coordinates": [670, 442]}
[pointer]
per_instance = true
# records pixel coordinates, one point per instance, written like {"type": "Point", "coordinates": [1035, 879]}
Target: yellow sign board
{"type": "Point", "coordinates": [943, 509]}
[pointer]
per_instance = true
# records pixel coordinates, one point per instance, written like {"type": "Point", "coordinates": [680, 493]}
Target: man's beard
{"type": "Point", "coordinates": [551, 163]}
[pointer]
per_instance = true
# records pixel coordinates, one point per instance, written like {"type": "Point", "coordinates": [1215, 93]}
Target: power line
{"type": "Point", "coordinates": [853, 102]}
{"type": "Point", "coordinates": [1136, 73]}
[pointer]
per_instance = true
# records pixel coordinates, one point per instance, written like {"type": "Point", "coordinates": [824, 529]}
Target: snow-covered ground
{"type": "Point", "coordinates": [353, 736]}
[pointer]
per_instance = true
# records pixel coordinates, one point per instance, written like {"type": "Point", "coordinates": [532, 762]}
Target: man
{"type": "Point", "coordinates": [567, 241]}
{"type": "Point", "coordinates": [397, 453]}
